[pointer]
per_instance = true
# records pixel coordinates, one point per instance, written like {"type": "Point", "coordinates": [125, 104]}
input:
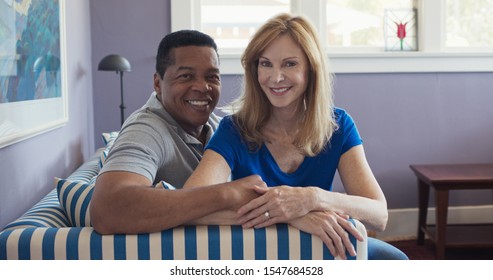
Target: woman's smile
{"type": "Point", "coordinates": [280, 91]}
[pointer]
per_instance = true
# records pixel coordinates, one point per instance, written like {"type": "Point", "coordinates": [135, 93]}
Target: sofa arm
{"type": "Point", "coordinates": [182, 243]}
{"type": "Point", "coordinates": [47, 213]}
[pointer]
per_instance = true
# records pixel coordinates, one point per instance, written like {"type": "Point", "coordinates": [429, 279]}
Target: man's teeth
{"type": "Point", "coordinates": [198, 102]}
{"type": "Point", "coordinates": [279, 90]}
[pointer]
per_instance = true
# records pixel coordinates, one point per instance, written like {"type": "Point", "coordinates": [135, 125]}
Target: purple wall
{"type": "Point", "coordinates": [132, 29]}
{"type": "Point", "coordinates": [403, 118]}
{"type": "Point", "coordinates": [421, 118]}
{"type": "Point", "coordinates": [28, 168]}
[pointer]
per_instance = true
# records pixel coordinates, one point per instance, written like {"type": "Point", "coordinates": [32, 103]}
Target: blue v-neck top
{"type": "Point", "coordinates": [313, 171]}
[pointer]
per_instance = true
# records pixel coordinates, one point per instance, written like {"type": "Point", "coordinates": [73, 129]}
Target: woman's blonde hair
{"type": "Point", "coordinates": [252, 109]}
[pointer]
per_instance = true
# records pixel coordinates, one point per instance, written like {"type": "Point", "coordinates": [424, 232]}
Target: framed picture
{"type": "Point", "coordinates": [33, 86]}
{"type": "Point", "coordinates": [400, 30]}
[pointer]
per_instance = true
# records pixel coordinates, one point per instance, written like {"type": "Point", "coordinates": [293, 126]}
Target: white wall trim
{"type": "Point", "coordinates": [403, 223]}
{"type": "Point", "coordinates": [389, 62]}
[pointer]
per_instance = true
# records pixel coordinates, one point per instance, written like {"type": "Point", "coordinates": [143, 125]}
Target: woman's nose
{"type": "Point", "coordinates": [277, 75]}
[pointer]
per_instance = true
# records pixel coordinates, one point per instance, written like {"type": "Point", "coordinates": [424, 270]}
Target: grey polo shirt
{"type": "Point", "coordinates": [152, 144]}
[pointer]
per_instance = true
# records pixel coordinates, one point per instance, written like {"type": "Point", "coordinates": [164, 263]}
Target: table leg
{"type": "Point", "coordinates": [423, 196]}
{"type": "Point", "coordinates": [441, 200]}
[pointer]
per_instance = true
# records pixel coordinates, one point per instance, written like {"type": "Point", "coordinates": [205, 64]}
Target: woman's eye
{"type": "Point", "coordinates": [265, 63]}
{"type": "Point", "coordinates": [291, 64]}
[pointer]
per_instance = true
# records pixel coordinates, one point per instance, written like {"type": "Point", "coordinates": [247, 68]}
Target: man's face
{"type": "Point", "coordinates": [190, 87]}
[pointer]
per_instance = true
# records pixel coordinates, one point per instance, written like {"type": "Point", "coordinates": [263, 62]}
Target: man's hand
{"type": "Point", "coordinates": [242, 191]}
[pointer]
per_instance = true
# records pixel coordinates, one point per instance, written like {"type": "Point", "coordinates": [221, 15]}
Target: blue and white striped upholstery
{"type": "Point", "coordinates": [182, 243]}
{"type": "Point", "coordinates": [87, 172]}
{"type": "Point", "coordinates": [46, 213]}
{"type": "Point", "coordinates": [44, 232]}
{"type": "Point", "coordinates": [75, 198]}
{"type": "Point", "coordinates": [109, 137]}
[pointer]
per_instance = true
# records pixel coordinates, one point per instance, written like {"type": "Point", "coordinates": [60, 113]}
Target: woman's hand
{"type": "Point", "coordinates": [278, 205]}
{"type": "Point", "coordinates": [332, 228]}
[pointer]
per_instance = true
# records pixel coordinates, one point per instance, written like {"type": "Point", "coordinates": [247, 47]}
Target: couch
{"type": "Point", "coordinates": [58, 227]}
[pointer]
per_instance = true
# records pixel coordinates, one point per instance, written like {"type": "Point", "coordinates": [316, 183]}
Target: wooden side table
{"type": "Point", "coordinates": [443, 178]}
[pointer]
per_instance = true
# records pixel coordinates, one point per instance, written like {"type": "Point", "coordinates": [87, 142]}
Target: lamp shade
{"type": "Point", "coordinates": [114, 62]}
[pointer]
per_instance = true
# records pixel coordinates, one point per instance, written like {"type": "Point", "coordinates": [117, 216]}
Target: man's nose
{"type": "Point", "coordinates": [202, 85]}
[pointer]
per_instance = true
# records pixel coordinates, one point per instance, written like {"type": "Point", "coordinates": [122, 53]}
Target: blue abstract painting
{"type": "Point", "coordinates": [29, 50]}
{"type": "Point", "coordinates": [33, 80]}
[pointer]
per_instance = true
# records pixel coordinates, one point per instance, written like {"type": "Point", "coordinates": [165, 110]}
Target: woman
{"type": "Point", "coordinates": [286, 129]}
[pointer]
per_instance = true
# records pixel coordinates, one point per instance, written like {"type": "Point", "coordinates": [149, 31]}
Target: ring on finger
{"type": "Point", "coordinates": [267, 214]}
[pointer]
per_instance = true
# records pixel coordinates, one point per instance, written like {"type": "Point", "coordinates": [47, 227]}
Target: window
{"type": "Point", "coordinates": [469, 23]}
{"type": "Point", "coordinates": [450, 35]}
{"type": "Point", "coordinates": [360, 23]}
{"type": "Point", "coordinates": [224, 20]}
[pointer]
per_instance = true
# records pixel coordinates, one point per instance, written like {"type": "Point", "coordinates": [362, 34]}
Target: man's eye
{"type": "Point", "coordinates": [185, 76]}
{"type": "Point", "coordinates": [215, 77]}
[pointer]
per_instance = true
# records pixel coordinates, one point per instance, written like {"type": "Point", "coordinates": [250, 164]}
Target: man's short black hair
{"type": "Point", "coordinates": [178, 39]}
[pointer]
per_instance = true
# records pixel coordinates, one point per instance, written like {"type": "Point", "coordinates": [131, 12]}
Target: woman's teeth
{"type": "Point", "coordinates": [279, 90]}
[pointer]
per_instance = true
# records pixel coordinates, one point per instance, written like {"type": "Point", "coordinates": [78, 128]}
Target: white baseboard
{"type": "Point", "coordinates": [403, 223]}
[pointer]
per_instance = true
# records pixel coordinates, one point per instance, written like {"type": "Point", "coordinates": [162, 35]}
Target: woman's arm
{"type": "Point", "coordinates": [212, 169]}
{"type": "Point", "coordinates": [363, 200]}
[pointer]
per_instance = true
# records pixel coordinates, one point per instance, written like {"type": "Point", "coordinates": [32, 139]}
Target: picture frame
{"type": "Point", "coordinates": [33, 79]}
{"type": "Point", "coordinates": [400, 30]}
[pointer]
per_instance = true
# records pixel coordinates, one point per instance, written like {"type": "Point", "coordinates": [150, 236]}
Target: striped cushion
{"type": "Point", "coordinates": [164, 185]}
{"type": "Point", "coordinates": [182, 243]}
{"type": "Point", "coordinates": [75, 192]}
{"type": "Point", "coordinates": [88, 170]}
{"type": "Point", "coordinates": [108, 140]}
{"type": "Point", "coordinates": [109, 137]}
{"type": "Point", "coordinates": [75, 199]}
{"type": "Point", "coordinates": [46, 213]}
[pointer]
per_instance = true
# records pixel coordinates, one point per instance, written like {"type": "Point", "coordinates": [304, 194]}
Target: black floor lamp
{"type": "Point", "coordinates": [118, 63]}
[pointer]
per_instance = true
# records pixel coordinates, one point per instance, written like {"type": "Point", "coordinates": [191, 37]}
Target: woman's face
{"type": "Point", "coordinates": [283, 73]}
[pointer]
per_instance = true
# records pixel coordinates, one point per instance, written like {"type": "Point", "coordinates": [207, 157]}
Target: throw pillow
{"type": "Point", "coordinates": [109, 137]}
{"type": "Point", "coordinates": [75, 199]}
{"type": "Point", "coordinates": [108, 140]}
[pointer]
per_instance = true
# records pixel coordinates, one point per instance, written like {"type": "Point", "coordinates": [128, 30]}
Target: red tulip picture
{"type": "Point", "coordinates": [401, 33]}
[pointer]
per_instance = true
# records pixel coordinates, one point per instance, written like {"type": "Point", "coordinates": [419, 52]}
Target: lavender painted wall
{"type": "Point", "coordinates": [27, 168]}
{"type": "Point", "coordinates": [403, 118]}
{"type": "Point", "coordinates": [132, 29]}
{"type": "Point", "coordinates": [421, 118]}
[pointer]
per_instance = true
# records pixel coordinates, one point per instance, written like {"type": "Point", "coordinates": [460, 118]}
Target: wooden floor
{"type": "Point", "coordinates": [427, 251]}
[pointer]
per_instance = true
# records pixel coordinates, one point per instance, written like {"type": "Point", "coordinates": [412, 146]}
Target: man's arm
{"type": "Point", "coordinates": [125, 202]}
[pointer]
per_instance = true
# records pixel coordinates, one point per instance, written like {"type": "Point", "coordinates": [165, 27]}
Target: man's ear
{"type": "Point", "coordinates": [157, 84]}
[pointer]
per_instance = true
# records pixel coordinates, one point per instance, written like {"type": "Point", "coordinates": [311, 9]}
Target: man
{"type": "Point", "coordinates": [164, 141]}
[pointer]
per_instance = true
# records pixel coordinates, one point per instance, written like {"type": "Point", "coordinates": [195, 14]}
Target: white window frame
{"type": "Point", "coordinates": [432, 55]}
